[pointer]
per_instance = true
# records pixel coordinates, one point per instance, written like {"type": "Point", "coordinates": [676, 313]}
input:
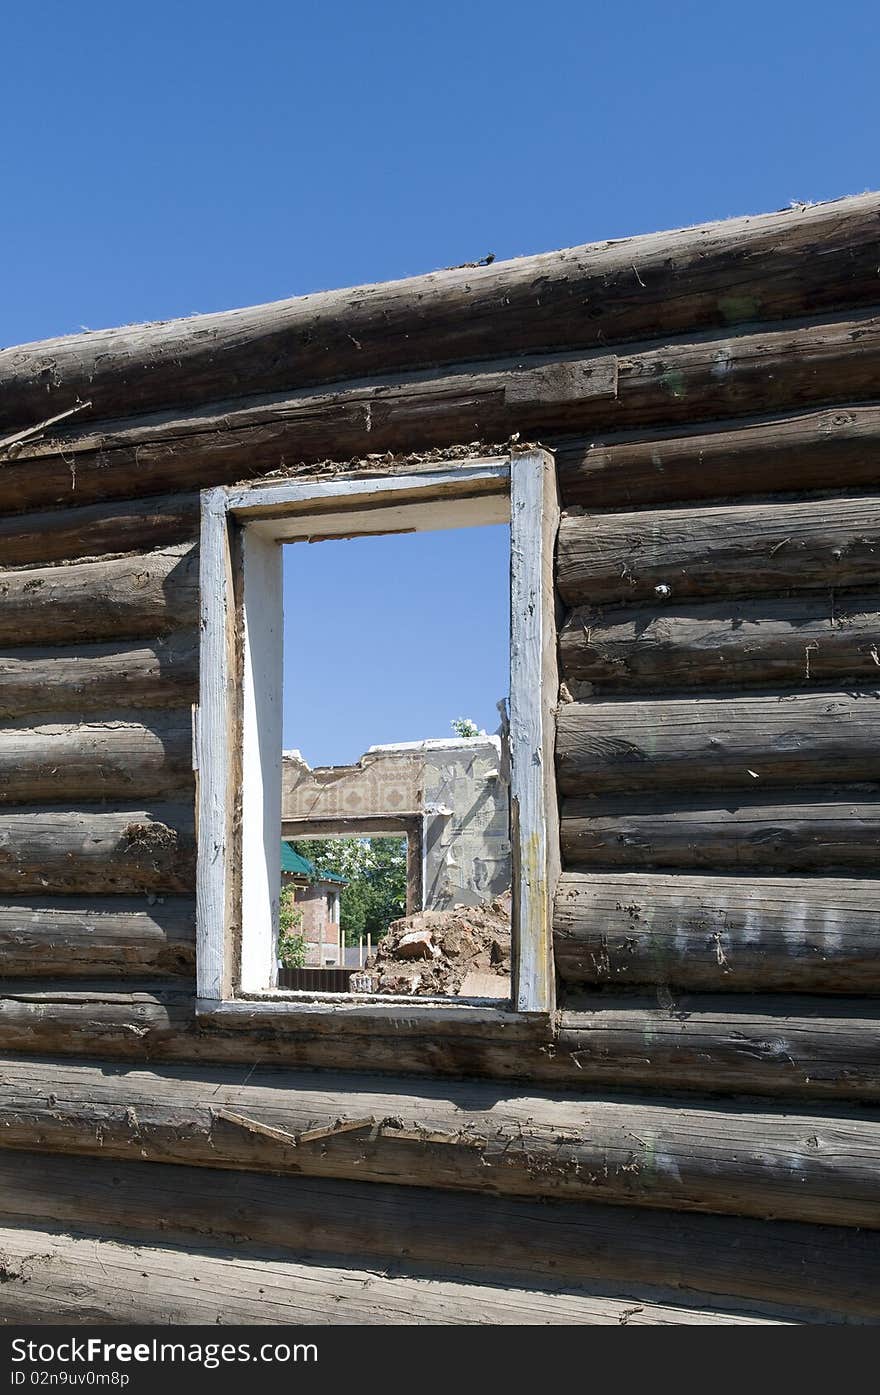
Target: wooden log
{"type": "Point", "coordinates": [783, 264]}
{"type": "Point", "coordinates": [808, 364]}
{"type": "Point", "coordinates": [766, 1162]}
{"type": "Point", "coordinates": [232, 440]}
{"type": "Point", "coordinates": [746, 1046]}
{"type": "Point", "coordinates": [744, 549]}
{"type": "Point", "coordinates": [761, 934]}
{"type": "Point", "coordinates": [729, 1260]}
{"type": "Point", "coordinates": [835, 447]}
{"type": "Point", "coordinates": [71, 851]}
{"type": "Point", "coordinates": [97, 936]}
{"type": "Point", "coordinates": [113, 760]}
{"type": "Point", "coordinates": [816, 831]}
{"type": "Point", "coordinates": [158, 1021]}
{"type": "Point", "coordinates": [138, 597]}
{"type": "Point", "coordinates": [99, 677]}
{"type": "Point", "coordinates": [780, 641]}
{"type": "Point", "coordinates": [36, 539]}
{"type": "Point", "coordinates": [86, 1279]}
{"type": "Point", "coordinates": [718, 742]}
{"type": "Point", "coordinates": [831, 1055]}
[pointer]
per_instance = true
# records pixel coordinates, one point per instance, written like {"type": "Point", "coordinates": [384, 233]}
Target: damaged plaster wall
{"type": "Point", "coordinates": [454, 791]}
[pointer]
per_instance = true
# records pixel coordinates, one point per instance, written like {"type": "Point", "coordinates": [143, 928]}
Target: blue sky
{"type": "Point", "coordinates": [169, 158]}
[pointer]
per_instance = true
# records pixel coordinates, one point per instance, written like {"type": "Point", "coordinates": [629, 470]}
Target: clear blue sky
{"type": "Point", "coordinates": [169, 158]}
{"type": "Point", "coordinates": [388, 639]}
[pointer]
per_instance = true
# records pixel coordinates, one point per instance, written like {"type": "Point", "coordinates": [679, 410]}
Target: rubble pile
{"type": "Point", "coordinates": [460, 952]}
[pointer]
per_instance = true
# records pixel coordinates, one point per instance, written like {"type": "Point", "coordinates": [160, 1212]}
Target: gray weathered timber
{"type": "Point", "coordinates": [97, 936]}
{"type": "Point", "coordinates": [815, 831]}
{"type": "Point", "coordinates": [457, 1136]}
{"type": "Point", "coordinates": [745, 549]}
{"type": "Point", "coordinates": [58, 535]}
{"type": "Point", "coordinates": [99, 677]}
{"type": "Point", "coordinates": [776, 266]}
{"type": "Point", "coordinates": [136, 597]}
{"type": "Point", "coordinates": [834, 446]}
{"type": "Point", "coordinates": [719, 375]}
{"type": "Point", "coordinates": [832, 1270]}
{"type": "Point", "coordinates": [124, 758]}
{"type": "Point", "coordinates": [718, 742]}
{"type": "Point", "coordinates": [71, 851]}
{"type": "Point", "coordinates": [96, 1020]}
{"type": "Point", "coordinates": [86, 1279]}
{"type": "Point", "coordinates": [806, 641]}
{"type": "Point", "coordinates": [820, 1048]}
{"type": "Point", "coordinates": [754, 934]}
{"type": "Point", "coordinates": [728, 1044]}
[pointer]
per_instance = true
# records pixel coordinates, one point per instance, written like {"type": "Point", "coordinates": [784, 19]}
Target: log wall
{"type": "Point", "coordinates": [713, 399]}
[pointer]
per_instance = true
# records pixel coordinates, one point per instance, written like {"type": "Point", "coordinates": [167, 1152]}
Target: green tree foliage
{"type": "Point", "coordinates": [291, 944]}
{"type": "Point", "coordinates": [466, 727]}
{"type": "Point", "coordinates": [375, 869]}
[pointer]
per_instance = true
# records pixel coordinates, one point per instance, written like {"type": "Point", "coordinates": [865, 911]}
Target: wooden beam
{"type": "Point", "coordinates": [747, 934]}
{"type": "Point", "coordinates": [794, 262]}
{"type": "Point", "coordinates": [743, 549]}
{"type": "Point", "coordinates": [88, 678]}
{"type": "Point", "coordinates": [141, 596]}
{"type": "Point", "coordinates": [811, 449]}
{"type": "Point", "coordinates": [71, 851]}
{"type": "Point", "coordinates": [751, 743]}
{"type": "Point", "coordinates": [723, 1261]}
{"type": "Point", "coordinates": [85, 1278]}
{"type": "Point", "coordinates": [119, 759]}
{"type": "Point", "coordinates": [814, 639]}
{"type": "Point", "coordinates": [816, 831]}
{"type": "Point", "coordinates": [97, 936]}
{"type": "Point", "coordinates": [747, 1046]}
{"type": "Point", "coordinates": [463, 1136]}
{"type": "Point", "coordinates": [773, 369]}
{"type": "Point", "coordinates": [35, 539]}
{"type": "Point", "coordinates": [726, 1046]}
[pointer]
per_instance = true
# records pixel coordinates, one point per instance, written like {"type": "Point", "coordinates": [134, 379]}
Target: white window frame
{"type": "Point", "coordinates": [239, 717]}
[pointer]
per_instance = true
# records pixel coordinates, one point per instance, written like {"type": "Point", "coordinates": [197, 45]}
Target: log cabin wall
{"type": "Point", "coordinates": [713, 400]}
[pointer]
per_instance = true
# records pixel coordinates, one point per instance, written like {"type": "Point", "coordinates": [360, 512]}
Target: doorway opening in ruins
{"type": "Point", "coordinates": [396, 662]}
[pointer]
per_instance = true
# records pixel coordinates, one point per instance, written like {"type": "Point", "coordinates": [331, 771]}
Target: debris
{"type": "Point", "coordinates": [465, 950]}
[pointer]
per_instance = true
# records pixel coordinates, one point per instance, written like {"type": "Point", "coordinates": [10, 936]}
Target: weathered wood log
{"type": "Point", "coordinates": [742, 550]}
{"type": "Point", "coordinates": [816, 831]}
{"type": "Point", "coordinates": [117, 760]}
{"type": "Point", "coordinates": [766, 1162]}
{"type": "Point", "coordinates": [726, 1047]}
{"type": "Point", "coordinates": [137, 597]}
{"type": "Point", "coordinates": [158, 1022]}
{"type": "Point", "coordinates": [99, 677]}
{"type": "Point", "coordinates": [87, 1279]}
{"type": "Point", "coordinates": [97, 936]}
{"type": "Point", "coordinates": [823, 1048]}
{"type": "Point", "coordinates": [231, 440]}
{"type": "Point", "coordinates": [831, 1270]}
{"type": "Point", "coordinates": [780, 265]}
{"type": "Point", "coordinates": [685, 381]}
{"type": "Point", "coordinates": [760, 934]}
{"type": "Point", "coordinates": [67, 851]}
{"type": "Point", "coordinates": [35, 539]}
{"type": "Point", "coordinates": [835, 447]}
{"type": "Point", "coordinates": [815, 638]}
{"type": "Point", "coordinates": [718, 742]}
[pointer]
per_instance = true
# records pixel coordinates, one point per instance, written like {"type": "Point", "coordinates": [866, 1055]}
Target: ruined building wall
{"type": "Point", "coordinates": [704, 1107]}
{"type": "Point", "coordinates": [450, 795]}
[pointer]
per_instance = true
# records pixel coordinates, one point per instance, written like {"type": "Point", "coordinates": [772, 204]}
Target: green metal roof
{"type": "Point", "coordinates": [292, 861]}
